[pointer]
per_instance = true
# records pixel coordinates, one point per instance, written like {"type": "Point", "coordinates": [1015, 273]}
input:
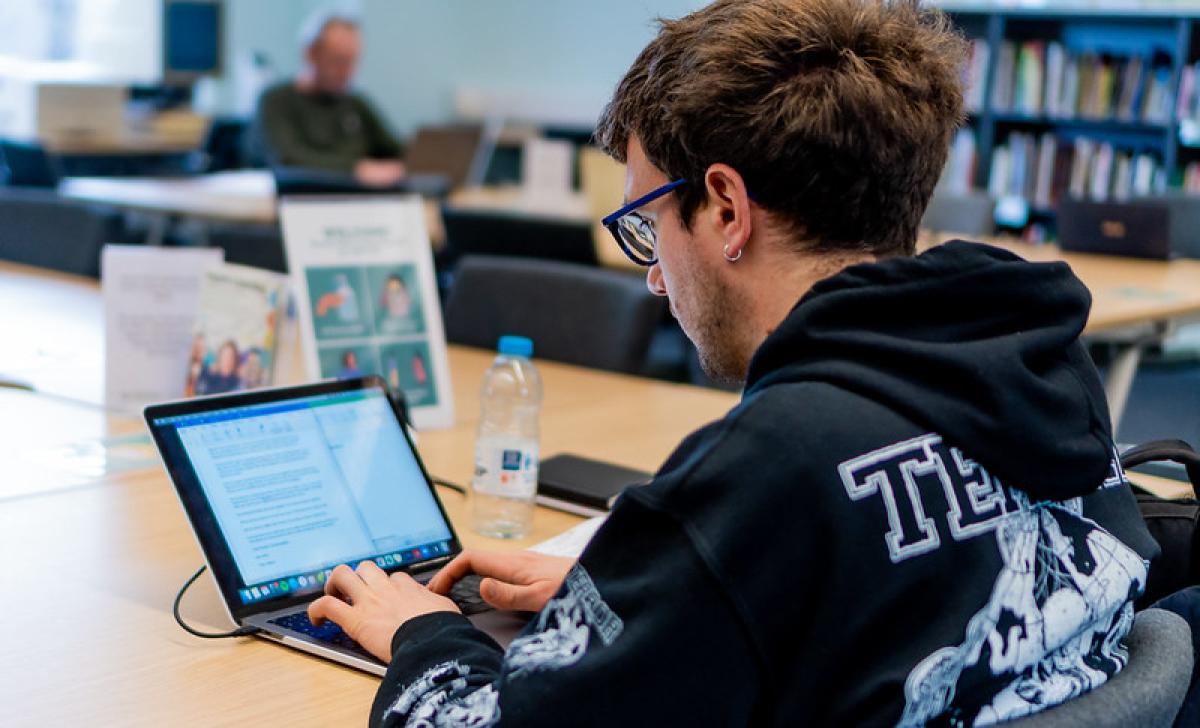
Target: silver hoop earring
{"type": "Point", "coordinates": [733, 258]}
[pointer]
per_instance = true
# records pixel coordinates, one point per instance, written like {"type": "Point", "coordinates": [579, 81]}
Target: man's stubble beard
{"type": "Point", "coordinates": [717, 333]}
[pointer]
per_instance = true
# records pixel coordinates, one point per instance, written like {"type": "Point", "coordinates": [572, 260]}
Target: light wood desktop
{"type": "Point", "coordinates": [96, 557]}
{"type": "Point", "coordinates": [248, 197]}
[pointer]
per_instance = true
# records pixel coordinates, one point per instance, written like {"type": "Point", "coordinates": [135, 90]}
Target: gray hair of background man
{"type": "Point", "coordinates": [314, 26]}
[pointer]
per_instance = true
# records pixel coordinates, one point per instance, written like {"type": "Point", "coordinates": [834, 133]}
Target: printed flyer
{"type": "Point", "coordinates": [362, 272]}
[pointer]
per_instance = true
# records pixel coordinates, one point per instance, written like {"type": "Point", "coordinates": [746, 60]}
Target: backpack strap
{"type": "Point", "coordinates": [1176, 451]}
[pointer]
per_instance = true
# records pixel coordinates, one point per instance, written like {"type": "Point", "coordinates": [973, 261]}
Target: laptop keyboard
{"type": "Point", "coordinates": [328, 633]}
{"type": "Point", "coordinates": [465, 594]}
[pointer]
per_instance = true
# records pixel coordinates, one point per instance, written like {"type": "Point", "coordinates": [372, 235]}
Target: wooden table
{"type": "Point", "coordinates": [93, 560]}
{"type": "Point", "coordinates": [248, 197]}
{"type": "Point", "coordinates": [95, 550]}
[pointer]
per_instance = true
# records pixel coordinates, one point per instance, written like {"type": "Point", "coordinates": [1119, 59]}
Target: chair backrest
{"type": "Point", "coordinates": [492, 232]}
{"type": "Point", "coordinates": [224, 145]}
{"type": "Point", "coordinates": [1147, 693]}
{"type": "Point", "coordinates": [256, 245]}
{"type": "Point", "coordinates": [37, 227]}
{"type": "Point", "coordinates": [576, 314]}
{"type": "Point", "coordinates": [29, 165]}
{"type": "Point", "coordinates": [967, 214]}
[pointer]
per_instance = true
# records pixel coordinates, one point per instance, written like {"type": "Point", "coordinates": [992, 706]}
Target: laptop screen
{"type": "Point", "coordinates": [296, 486]}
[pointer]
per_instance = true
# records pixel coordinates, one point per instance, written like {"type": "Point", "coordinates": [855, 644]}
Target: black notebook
{"type": "Point", "coordinates": [586, 487]}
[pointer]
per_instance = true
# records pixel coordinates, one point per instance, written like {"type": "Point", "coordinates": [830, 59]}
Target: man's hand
{"type": "Point", "coordinates": [379, 172]}
{"type": "Point", "coordinates": [370, 606]}
{"type": "Point", "coordinates": [521, 580]}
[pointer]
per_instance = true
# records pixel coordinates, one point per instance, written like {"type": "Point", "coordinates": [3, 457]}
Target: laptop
{"type": "Point", "coordinates": [282, 485]}
{"type": "Point", "coordinates": [1136, 230]}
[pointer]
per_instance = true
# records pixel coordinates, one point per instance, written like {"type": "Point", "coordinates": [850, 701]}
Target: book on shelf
{"type": "Point", "coordinates": [1185, 105]}
{"type": "Point", "coordinates": [959, 173]}
{"type": "Point", "coordinates": [976, 75]}
{"type": "Point", "coordinates": [1046, 79]}
{"type": "Point", "coordinates": [1042, 169]}
{"type": "Point", "coordinates": [1056, 60]}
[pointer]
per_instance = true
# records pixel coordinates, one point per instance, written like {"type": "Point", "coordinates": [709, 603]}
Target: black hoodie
{"type": "Point", "coordinates": [914, 515]}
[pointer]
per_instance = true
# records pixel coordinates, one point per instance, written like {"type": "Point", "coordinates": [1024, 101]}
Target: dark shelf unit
{"type": "Point", "coordinates": [1174, 30]}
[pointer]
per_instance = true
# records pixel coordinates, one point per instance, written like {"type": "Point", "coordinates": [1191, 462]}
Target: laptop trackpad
{"type": "Point", "coordinates": [500, 625]}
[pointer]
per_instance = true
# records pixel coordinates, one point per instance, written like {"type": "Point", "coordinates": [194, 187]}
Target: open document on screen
{"type": "Point", "coordinates": [309, 483]}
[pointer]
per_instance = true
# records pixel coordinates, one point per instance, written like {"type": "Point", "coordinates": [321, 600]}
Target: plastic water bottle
{"type": "Point", "coordinates": [506, 446]}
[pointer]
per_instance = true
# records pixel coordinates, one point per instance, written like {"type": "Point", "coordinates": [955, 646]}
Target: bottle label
{"type": "Point", "coordinates": [506, 468]}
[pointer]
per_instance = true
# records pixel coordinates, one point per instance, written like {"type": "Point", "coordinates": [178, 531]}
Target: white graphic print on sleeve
{"type": "Point", "coordinates": [1059, 608]}
{"type": "Point", "coordinates": [563, 628]}
{"type": "Point", "coordinates": [435, 699]}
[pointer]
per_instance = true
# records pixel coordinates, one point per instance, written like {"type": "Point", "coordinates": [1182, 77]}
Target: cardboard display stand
{"type": "Point", "coordinates": [362, 274]}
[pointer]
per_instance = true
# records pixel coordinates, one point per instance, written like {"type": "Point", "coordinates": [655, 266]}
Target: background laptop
{"type": "Point", "coordinates": [282, 485]}
{"type": "Point", "coordinates": [1137, 230]}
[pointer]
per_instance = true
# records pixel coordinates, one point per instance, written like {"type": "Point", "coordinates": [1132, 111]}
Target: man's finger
{"type": "Point", "coordinates": [332, 608]}
{"type": "Point", "coordinates": [503, 595]}
{"type": "Point", "coordinates": [485, 563]}
{"type": "Point", "coordinates": [369, 572]}
{"type": "Point", "coordinates": [444, 580]}
{"type": "Point", "coordinates": [343, 582]}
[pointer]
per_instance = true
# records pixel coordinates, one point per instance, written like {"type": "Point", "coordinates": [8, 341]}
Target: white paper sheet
{"type": "Point", "coordinates": [150, 302]}
{"type": "Point", "coordinates": [572, 541]}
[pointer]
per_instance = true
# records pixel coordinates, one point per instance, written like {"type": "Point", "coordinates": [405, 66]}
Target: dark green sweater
{"type": "Point", "coordinates": [294, 128]}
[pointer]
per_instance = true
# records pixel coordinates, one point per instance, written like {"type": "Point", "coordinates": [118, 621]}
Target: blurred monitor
{"type": "Point", "coordinates": [191, 32]}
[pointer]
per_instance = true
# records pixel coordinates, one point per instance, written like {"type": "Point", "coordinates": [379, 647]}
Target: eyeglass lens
{"type": "Point", "coordinates": [638, 234]}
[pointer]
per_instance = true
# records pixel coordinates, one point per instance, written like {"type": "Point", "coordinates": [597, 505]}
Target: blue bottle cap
{"type": "Point", "coordinates": [516, 346]}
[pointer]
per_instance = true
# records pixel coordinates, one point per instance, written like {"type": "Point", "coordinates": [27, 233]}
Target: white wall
{"type": "Point", "coordinates": [420, 52]}
{"type": "Point", "coordinates": [270, 27]}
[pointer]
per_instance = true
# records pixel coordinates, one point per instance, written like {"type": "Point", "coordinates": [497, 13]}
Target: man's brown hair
{"type": "Point", "coordinates": [837, 113]}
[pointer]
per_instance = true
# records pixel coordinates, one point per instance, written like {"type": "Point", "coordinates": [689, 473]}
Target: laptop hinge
{"type": "Point", "coordinates": [432, 564]}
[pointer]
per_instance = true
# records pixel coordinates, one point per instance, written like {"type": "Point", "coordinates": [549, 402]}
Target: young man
{"type": "Point", "coordinates": [914, 515]}
{"type": "Point", "coordinates": [317, 121]}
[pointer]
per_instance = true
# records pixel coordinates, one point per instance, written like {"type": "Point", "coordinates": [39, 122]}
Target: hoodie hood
{"type": "Point", "coordinates": [970, 341]}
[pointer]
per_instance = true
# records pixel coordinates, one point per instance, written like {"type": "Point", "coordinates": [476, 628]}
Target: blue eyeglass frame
{"type": "Point", "coordinates": [611, 221]}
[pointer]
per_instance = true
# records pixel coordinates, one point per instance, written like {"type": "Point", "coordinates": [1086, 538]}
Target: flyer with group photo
{"type": "Point", "coordinates": [362, 272]}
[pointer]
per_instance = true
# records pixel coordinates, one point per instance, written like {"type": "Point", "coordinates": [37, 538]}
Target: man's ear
{"type": "Point", "coordinates": [728, 208]}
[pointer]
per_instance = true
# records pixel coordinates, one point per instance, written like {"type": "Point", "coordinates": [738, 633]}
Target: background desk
{"type": "Point", "coordinates": [248, 196]}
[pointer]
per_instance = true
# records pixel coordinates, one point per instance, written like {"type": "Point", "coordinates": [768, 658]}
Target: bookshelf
{"type": "Point", "coordinates": [1099, 100]}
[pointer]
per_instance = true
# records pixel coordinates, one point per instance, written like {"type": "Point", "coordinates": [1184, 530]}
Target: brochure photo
{"type": "Point", "coordinates": [236, 338]}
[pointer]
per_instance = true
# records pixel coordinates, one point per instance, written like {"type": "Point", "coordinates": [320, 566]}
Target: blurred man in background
{"type": "Point", "coordinates": [317, 121]}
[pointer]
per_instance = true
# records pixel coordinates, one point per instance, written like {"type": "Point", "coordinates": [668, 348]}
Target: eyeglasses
{"type": "Point", "coordinates": [633, 231]}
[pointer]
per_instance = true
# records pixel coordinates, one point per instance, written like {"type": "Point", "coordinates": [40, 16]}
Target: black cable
{"type": "Point", "coordinates": [239, 632]}
{"type": "Point", "coordinates": [448, 484]}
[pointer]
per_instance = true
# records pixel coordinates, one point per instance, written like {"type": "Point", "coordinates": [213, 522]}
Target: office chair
{"type": "Point", "coordinates": [42, 229]}
{"type": "Point", "coordinates": [260, 246]}
{"type": "Point", "coordinates": [575, 314]}
{"type": "Point", "coordinates": [492, 232]}
{"type": "Point", "coordinates": [966, 214]}
{"type": "Point", "coordinates": [1148, 693]}
{"type": "Point", "coordinates": [28, 165]}
{"type": "Point", "coordinates": [224, 145]}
